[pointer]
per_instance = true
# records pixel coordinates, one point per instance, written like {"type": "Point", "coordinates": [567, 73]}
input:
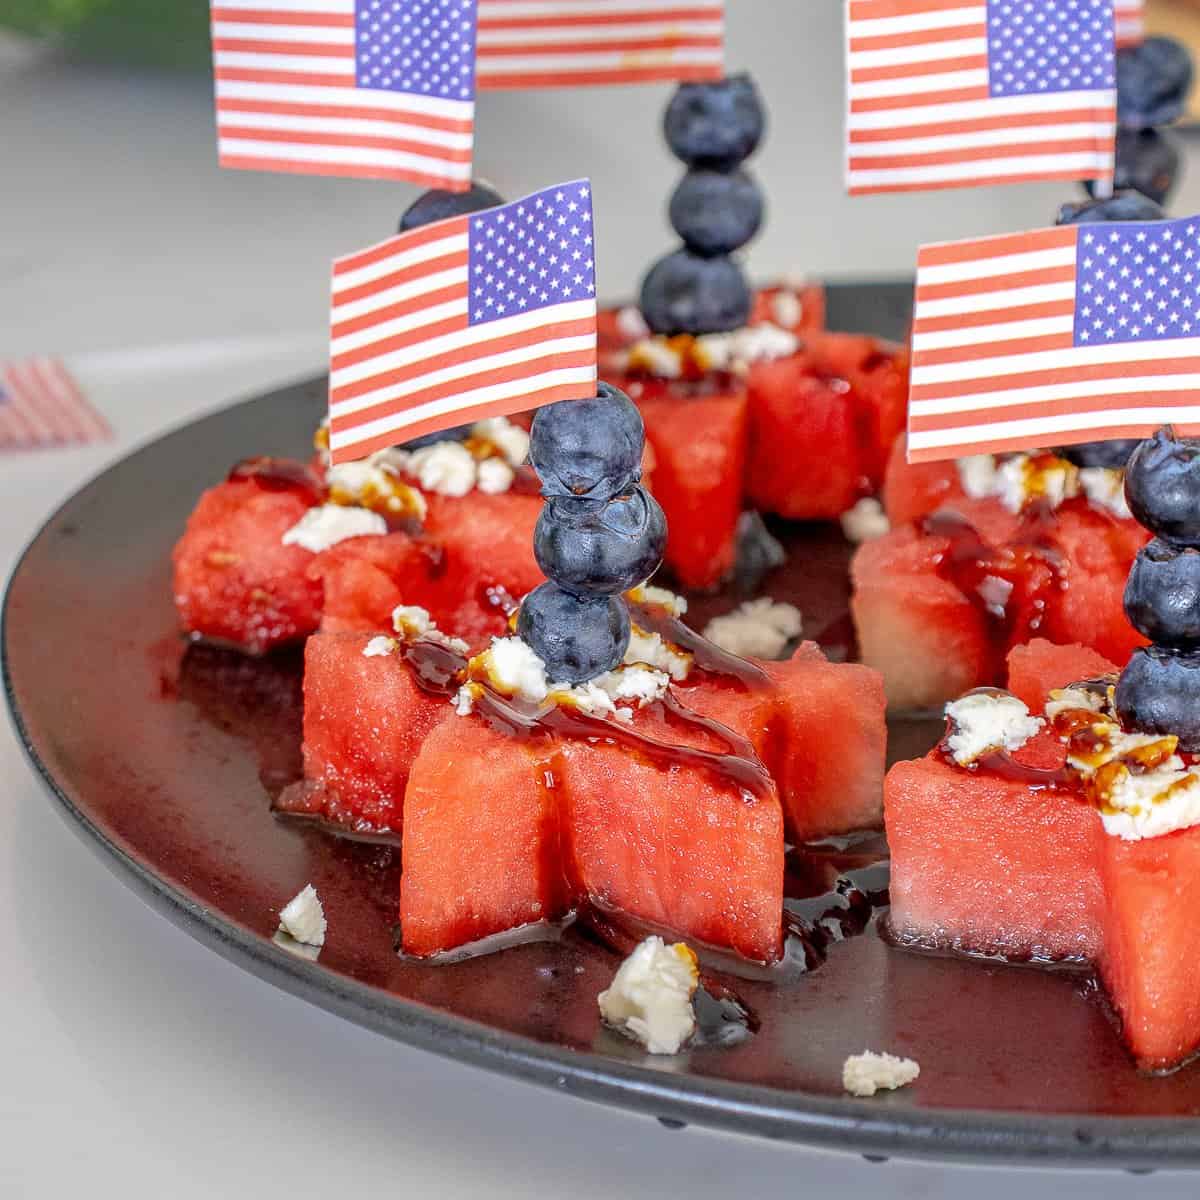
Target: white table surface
{"type": "Point", "coordinates": [135, 1062]}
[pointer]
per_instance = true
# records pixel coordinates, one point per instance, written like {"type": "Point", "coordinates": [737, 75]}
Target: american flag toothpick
{"type": "Point", "coordinates": [1130, 17]}
{"type": "Point", "coordinates": [563, 43]}
{"type": "Point", "coordinates": [378, 88]}
{"type": "Point", "coordinates": [41, 405]}
{"type": "Point", "coordinates": [480, 315]}
{"type": "Point", "coordinates": [1054, 337]}
{"type": "Point", "coordinates": [961, 93]}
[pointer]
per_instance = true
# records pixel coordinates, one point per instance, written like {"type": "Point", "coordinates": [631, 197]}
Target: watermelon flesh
{"type": "Point", "coordinates": [235, 582]}
{"type": "Point", "coordinates": [938, 604]}
{"type": "Point", "coordinates": [365, 719]}
{"type": "Point", "coordinates": [912, 490]}
{"type": "Point", "coordinates": [697, 432]}
{"type": "Point", "coordinates": [822, 424]}
{"type": "Point", "coordinates": [987, 864]}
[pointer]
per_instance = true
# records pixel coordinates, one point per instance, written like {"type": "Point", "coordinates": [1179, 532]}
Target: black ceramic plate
{"type": "Point", "coordinates": [164, 762]}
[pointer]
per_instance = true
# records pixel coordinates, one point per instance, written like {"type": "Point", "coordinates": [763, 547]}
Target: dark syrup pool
{"type": "Point", "coordinates": [834, 889]}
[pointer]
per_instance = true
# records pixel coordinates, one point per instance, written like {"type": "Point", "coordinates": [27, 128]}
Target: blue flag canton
{"type": "Point", "coordinates": [532, 254]}
{"type": "Point", "coordinates": [1137, 281]}
{"type": "Point", "coordinates": [423, 47]}
{"type": "Point", "coordinates": [1040, 46]}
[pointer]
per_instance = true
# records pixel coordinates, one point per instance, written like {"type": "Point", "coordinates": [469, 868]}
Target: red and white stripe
{"type": "Point", "coordinates": [1130, 18]}
{"type": "Point", "coordinates": [555, 43]}
{"type": "Point", "coordinates": [920, 115]}
{"type": "Point", "coordinates": [994, 366]}
{"type": "Point", "coordinates": [287, 101]}
{"type": "Point", "coordinates": [41, 405]}
{"type": "Point", "coordinates": [404, 359]}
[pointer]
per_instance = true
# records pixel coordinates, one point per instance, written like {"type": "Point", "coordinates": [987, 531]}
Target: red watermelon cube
{"type": "Point", "coordinates": [822, 423]}
{"type": "Point", "coordinates": [989, 864]}
{"type": "Point", "coordinates": [912, 490]}
{"type": "Point", "coordinates": [235, 581]}
{"type": "Point", "coordinates": [365, 719]}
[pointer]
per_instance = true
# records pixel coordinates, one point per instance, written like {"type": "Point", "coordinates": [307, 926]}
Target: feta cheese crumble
{"type": "Point", "coordinates": [513, 669]}
{"type": "Point", "coordinates": [447, 468]}
{"type": "Point", "coordinates": [511, 440]}
{"type": "Point", "coordinates": [659, 597]}
{"type": "Point", "coordinates": [631, 325]}
{"type": "Point", "coordinates": [987, 721]}
{"type": "Point", "coordinates": [374, 483]}
{"type": "Point", "coordinates": [756, 629]}
{"type": "Point", "coordinates": [1105, 488]}
{"type": "Point", "coordinates": [493, 476]}
{"type": "Point", "coordinates": [650, 997]}
{"type": "Point", "coordinates": [652, 650]}
{"type": "Point", "coordinates": [865, 521]}
{"type": "Point", "coordinates": [735, 351]}
{"type": "Point", "coordinates": [379, 647]}
{"type": "Point", "coordinates": [303, 917]}
{"type": "Point", "coordinates": [1019, 479]}
{"type": "Point", "coordinates": [867, 1073]}
{"type": "Point", "coordinates": [328, 524]}
{"type": "Point", "coordinates": [414, 624]}
{"type": "Point", "coordinates": [787, 309]}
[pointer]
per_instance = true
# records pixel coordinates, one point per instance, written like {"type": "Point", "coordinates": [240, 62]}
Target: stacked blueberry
{"type": "Point", "coordinates": [1153, 80]}
{"type": "Point", "coordinates": [1159, 691]}
{"type": "Point", "coordinates": [437, 204]}
{"type": "Point", "coordinates": [716, 208]}
{"type": "Point", "coordinates": [599, 534]}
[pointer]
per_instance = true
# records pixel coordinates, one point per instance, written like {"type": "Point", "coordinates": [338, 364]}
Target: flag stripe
{"type": "Point", "coordinates": [552, 44]}
{"type": "Point", "coordinates": [41, 405]}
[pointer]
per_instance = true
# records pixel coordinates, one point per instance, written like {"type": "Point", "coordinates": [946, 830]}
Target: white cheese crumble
{"type": "Point", "coordinates": [650, 997]}
{"type": "Point", "coordinates": [447, 468]}
{"type": "Point", "coordinates": [493, 476]}
{"type": "Point", "coordinates": [375, 482]}
{"type": "Point", "coordinates": [752, 343]}
{"type": "Point", "coordinates": [660, 597]}
{"type": "Point", "coordinates": [1064, 699]}
{"type": "Point", "coordinates": [787, 309]}
{"type": "Point", "coordinates": [636, 682]}
{"type": "Point", "coordinates": [865, 521]}
{"type": "Point", "coordinates": [651, 650]}
{"type": "Point", "coordinates": [1153, 803]}
{"type": "Point", "coordinates": [328, 524]}
{"type": "Point", "coordinates": [977, 475]}
{"type": "Point", "coordinates": [414, 624]}
{"type": "Point", "coordinates": [1105, 488]}
{"type": "Point", "coordinates": [511, 440]}
{"type": "Point", "coordinates": [303, 917]}
{"type": "Point", "coordinates": [867, 1073]}
{"type": "Point", "coordinates": [513, 669]}
{"type": "Point", "coordinates": [756, 629]}
{"type": "Point", "coordinates": [631, 325]}
{"type": "Point", "coordinates": [379, 647]}
{"type": "Point", "coordinates": [988, 721]}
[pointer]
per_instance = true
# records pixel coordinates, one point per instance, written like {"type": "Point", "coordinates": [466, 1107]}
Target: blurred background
{"type": "Point", "coordinates": [120, 231]}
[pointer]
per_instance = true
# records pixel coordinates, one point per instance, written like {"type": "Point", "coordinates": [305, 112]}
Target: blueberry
{"type": "Point", "coordinates": [1159, 692]}
{"type": "Point", "coordinates": [1162, 597]}
{"type": "Point", "coordinates": [1153, 80]}
{"type": "Point", "coordinates": [1121, 206]}
{"type": "Point", "coordinates": [685, 293]}
{"type": "Point", "coordinates": [715, 124]}
{"type": "Point", "coordinates": [1114, 454]}
{"type": "Point", "coordinates": [590, 449]}
{"type": "Point", "coordinates": [577, 637]}
{"type": "Point", "coordinates": [438, 205]}
{"type": "Point", "coordinates": [456, 433]}
{"type": "Point", "coordinates": [601, 547]}
{"type": "Point", "coordinates": [1162, 486]}
{"type": "Point", "coordinates": [715, 212]}
{"type": "Point", "coordinates": [1147, 162]}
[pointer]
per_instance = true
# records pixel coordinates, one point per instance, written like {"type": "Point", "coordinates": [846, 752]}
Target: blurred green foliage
{"type": "Point", "coordinates": [170, 33]}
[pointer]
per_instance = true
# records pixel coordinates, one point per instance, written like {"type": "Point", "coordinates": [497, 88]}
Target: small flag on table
{"type": "Point", "coordinates": [1054, 337]}
{"type": "Point", "coordinates": [378, 88]}
{"type": "Point", "coordinates": [41, 405]}
{"type": "Point", "coordinates": [962, 93]}
{"type": "Point", "coordinates": [477, 316]}
{"type": "Point", "coordinates": [1130, 21]}
{"type": "Point", "coordinates": [565, 43]}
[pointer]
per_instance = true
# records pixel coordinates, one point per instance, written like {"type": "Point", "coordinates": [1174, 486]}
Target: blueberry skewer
{"type": "Point", "coordinates": [599, 534]}
{"type": "Point", "coordinates": [716, 209]}
{"type": "Point", "coordinates": [1153, 80]}
{"type": "Point", "coordinates": [1159, 691]}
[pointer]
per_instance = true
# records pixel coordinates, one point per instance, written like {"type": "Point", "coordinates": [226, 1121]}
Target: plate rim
{"type": "Point", "coordinates": [871, 1128]}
